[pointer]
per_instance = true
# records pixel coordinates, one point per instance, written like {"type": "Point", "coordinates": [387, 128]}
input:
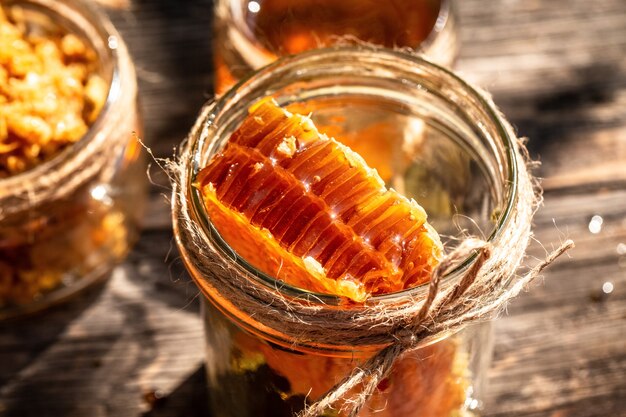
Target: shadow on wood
{"type": "Point", "coordinates": [156, 265]}
{"type": "Point", "coordinates": [556, 114]}
{"type": "Point", "coordinates": [34, 333]}
{"type": "Point", "coordinates": [189, 399]}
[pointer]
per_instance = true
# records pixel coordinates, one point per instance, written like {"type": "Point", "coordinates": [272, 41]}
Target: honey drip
{"type": "Point", "coordinates": [307, 210]}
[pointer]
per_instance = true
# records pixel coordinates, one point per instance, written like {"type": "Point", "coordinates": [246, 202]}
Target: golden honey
{"type": "Point", "coordinates": [252, 33]}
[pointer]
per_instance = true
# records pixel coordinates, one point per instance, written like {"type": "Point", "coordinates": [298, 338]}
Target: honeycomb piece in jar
{"type": "Point", "coordinates": [307, 210]}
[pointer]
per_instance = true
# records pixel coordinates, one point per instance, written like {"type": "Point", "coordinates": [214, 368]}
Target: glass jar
{"type": "Point", "coordinates": [431, 136]}
{"type": "Point", "coordinates": [249, 34]}
{"type": "Point", "coordinates": [65, 223]}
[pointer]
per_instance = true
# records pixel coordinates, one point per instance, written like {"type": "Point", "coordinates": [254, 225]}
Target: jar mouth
{"type": "Point", "coordinates": [257, 54]}
{"type": "Point", "coordinates": [91, 23]}
{"type": "Point", "coordinates": [256, 82]}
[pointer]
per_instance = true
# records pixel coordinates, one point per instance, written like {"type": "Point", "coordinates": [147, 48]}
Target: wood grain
{"type": "Point", "coordinates": [557, 68]}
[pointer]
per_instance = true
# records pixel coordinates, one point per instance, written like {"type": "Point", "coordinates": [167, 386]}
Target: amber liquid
{"type": "Point", "coordinates": [279, 27]}
{"type": "Point", "coordinates": [288, 27]}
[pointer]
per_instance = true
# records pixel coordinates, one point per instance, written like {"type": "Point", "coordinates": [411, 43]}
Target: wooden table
{"type": "Point", "coordinates": [558, 70]}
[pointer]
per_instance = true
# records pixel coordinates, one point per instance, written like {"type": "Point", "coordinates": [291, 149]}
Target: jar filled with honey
{"type": "Point", "coordinates": [72, 181]}
{"type": "Point", "coordinates": [269, 203]}
{"type": "Point", "coordinates": [249, 34]}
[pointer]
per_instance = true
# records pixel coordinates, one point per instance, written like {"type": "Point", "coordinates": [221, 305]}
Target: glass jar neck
{"type": "Point", "coordinates": [408, 82]}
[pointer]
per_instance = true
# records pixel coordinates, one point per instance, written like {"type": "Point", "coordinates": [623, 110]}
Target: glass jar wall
{"type": "Point", "coordinates": [250, 34]}
{"type": "Point", "coordinates": [430, 136]}
{"type": "Point", "coordinates": [66, 222]}
{"type": "Point", "coordinates": [250, 376]}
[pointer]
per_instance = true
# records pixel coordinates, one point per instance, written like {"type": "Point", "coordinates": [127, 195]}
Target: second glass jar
{"type": "Point", "coordinates": [249, 34]}
{"type": "Point", "coordinates": [65, 223]}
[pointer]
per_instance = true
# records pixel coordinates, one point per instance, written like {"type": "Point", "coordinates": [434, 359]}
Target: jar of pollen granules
{"type": "Point", "coordinates": [71, 182]}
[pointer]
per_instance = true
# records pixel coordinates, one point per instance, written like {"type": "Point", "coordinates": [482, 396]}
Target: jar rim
{"type": "Point", "coordinates": [210, 231]}
{"type": "Point", "coordinates": [112, 42]}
